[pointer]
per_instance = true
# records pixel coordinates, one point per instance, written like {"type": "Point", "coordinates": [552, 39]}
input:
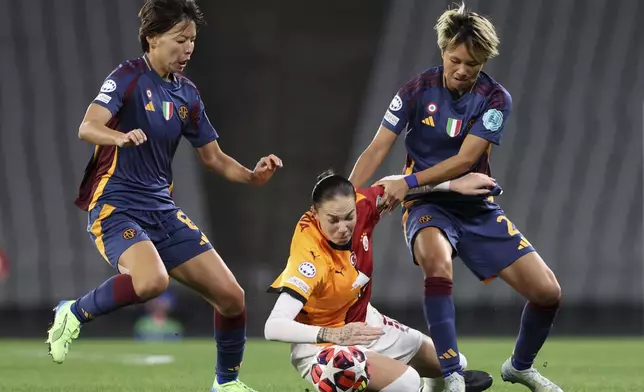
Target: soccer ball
{"type": "Point", "coordinates": [340, 369]}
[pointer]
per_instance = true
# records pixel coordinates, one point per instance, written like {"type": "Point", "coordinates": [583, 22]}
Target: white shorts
{"type": "Point", "coordinates": [398, 342]}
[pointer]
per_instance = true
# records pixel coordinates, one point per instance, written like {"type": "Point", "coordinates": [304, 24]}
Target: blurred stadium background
{"type": "Point", "coordinates": [309, 81]}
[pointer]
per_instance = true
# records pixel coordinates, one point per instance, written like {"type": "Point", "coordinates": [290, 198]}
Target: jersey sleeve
{"type": "Point", "coordinates": [199, 130]}
{"type": "Point", "coordinates": [305, 269]}
{"type": "Point", "coordinates": [496, 112]}
{"type": "Point", "coordinates": [368, 200]}
{"type": "Point", "coordinates": [116, 86]}
{"type": "Point", "coordinates": [399, 112]}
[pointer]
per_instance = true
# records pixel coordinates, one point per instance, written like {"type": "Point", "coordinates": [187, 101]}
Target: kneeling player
{"type": "Point", "coordinates": [326, 287]}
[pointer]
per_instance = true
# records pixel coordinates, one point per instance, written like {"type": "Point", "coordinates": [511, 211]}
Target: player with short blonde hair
{"type": "Point", "coordinates": [479, 38]}
{"type": "Point", "coordinates": [451, 115]}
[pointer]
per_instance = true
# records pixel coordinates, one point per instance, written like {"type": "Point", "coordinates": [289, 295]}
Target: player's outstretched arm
{"type": "Point", "coordinates": [221, 163]}
{"type": "Point", "coordinates": [372, 157]}
{"type": "Point", "coordinates": [93, 129]}
{"type": "Point", "coordinates": [469, 184]}
{"type": "Point", "coordinates": [472, 149]}
{"type": "Point", "coordinates": [281, 326]}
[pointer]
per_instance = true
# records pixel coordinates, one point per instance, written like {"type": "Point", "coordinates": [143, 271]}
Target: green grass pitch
{"type": "Point", "coordinates": [119, 365]}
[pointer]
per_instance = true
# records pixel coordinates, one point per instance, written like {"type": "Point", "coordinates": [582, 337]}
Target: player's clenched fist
{"type": "Point", "coordinates": [350, 335]}
{"type": "Point", "coordinates": [135, 137]}
{"type": "Point", "coordinates": [395, 192]}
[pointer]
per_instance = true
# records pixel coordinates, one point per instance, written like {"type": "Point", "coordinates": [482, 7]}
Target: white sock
{"type": "Point", "coordinates": [407, 382]}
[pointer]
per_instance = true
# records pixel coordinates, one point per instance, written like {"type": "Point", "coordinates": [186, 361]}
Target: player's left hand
{"type": "Point", "coordinates": [264, 169]}
{"type": "Point", "coordinates": [395, 192]}
{"type": "Point", "coordinates": [473, 184]}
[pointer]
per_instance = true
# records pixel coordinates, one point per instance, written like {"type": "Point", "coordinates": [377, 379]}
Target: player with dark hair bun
{"type": "Point", "coordinates": [325, 292]}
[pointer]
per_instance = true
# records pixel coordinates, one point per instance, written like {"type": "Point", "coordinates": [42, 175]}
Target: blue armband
{"type": "Point", "coordinates": [412, 181]}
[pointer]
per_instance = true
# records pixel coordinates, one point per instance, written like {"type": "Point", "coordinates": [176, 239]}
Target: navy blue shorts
{"type": "Point", "coordinates": [175, 236]}
{"type": "Point", "coordinates": [483, 237]}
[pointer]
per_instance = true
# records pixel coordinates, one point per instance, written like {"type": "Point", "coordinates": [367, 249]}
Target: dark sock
{"type": "Point", "coordinates": [115, 293]}
{"type": "Point", "coordinates": [230, 334]}
{"type": "Point", "coordinates": [536, 322]}
{"type": "Point", "coordinates": [439, 313]}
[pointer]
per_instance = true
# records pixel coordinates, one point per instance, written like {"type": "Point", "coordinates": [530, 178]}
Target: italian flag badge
{"type": "Point", "coordinates": [453, 127]}
{"type": "Point", "coordinates": [168, 110]}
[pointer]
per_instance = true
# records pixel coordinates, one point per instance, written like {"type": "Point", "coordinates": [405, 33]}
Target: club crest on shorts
{"type": "Point", "coordinates": [424, 219]}
{"type": "Point", "coordinates": [307, 269]}
{"type": "Point", "coordinates": [129, 234]}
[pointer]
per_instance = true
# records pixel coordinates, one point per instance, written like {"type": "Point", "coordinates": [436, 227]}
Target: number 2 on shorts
{"type": "Point", "coordinates": [511, 229]}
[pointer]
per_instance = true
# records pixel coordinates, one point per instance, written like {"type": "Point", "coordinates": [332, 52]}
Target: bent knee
{"type": "Point", "coordinates": [151, 286]}
{"type": "Point", "coordinates": [435, 265]}
{"type": "Point", "coordinates": [231, 302]}
{"type": "Point", "coordinates": [433, 253]}
{"type": "Point", "coordinates": [436, 268]}
{"type": "Point", "coordinates": [547, 293]}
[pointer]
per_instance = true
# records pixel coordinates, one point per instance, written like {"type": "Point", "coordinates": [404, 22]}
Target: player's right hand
{"type": "Point", "coordinates": [135, 137]}
{"type": "Point", "coordinates": [354, 334]}
{"type": "Point", "coordinates": [473, 184]}
{"type": "Point", "coordinates": [264, 169]}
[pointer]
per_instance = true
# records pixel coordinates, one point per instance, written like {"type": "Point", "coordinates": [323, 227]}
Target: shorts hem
{"type": "Point", "coordinates": [204, 249]}
{"type": "Point", "coordinates": [413, 353]}
{"type": "Point", "coordinates": [413, 239]}
{"type": "Point", "coordinates": [118, 255]}
{"type": "Point", "coordinates": [490, 278]}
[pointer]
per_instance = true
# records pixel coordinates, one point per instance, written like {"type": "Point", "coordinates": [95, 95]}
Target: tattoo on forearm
{"type": "Point", "coordinates": [322, 335]}
{"type": "Point", "coordinates": [335, 335]}
{"type": "Point", "coordinates": [344, 335]}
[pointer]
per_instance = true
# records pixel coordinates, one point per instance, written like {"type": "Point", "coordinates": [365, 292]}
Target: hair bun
{"type": "Point", "coordinates": [325, 174]}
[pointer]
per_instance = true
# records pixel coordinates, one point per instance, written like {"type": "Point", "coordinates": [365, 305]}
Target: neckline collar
{"type": "Point", "coordinates": [156, 75]}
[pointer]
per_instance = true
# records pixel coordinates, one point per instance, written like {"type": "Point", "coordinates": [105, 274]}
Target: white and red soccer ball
{"type": "Point", "coordinates": [340, 369]}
